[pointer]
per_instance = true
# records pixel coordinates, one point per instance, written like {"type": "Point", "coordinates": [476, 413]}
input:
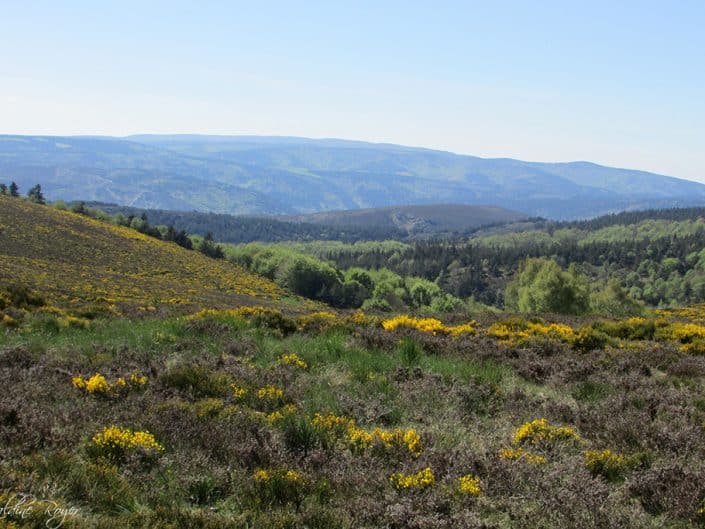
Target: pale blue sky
{"type": "Point", "coordinates": [619, 83]}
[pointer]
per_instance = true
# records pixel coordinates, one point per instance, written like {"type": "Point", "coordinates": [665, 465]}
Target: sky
{"type": "Point", "coordinates": [621, 83]}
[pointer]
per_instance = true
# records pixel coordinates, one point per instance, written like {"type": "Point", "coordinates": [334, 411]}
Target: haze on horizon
{"type": "Point", "coordinates": [547, 81]}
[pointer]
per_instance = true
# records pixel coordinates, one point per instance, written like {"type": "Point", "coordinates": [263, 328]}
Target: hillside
{"type": "Point", "coordinates": [270, 175]}
{"type": "Point", "coordinates": [399, 223]}
{"type": "Point", "coordinates": [418, 220]}
{"type": "Point", "coordinates": [72, 260]}
{"type": "Point", "coordinates": [250, 228]}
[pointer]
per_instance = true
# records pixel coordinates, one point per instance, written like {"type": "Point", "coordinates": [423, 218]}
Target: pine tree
{"type": "Point", "coordinates": [3, 189]}
{"type": "Point", "coordinates": [14, 190]}
{"type": "Point", "coordinates": [35, 195]}
{"type": "Point", "coordinates": [209, 248]}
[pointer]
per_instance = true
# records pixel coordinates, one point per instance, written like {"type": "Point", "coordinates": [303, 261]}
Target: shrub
{"type": "Point", "coordinates": [629, 329]}
{"type": "Point", "coordinates": [299, 434]}
{"type": "Point", "coordinates": [540, 433]}
{"type": "Point", "coordinates": [292, 359]}
{"type": "Point", "coordinates": [98, 384]}
{"type": "Point", "coordinates": [541, 287]}
{"type": "Point", "coordinates": [20, 296]}
{"type": "Point", "coordinates": [590, 339]}
{"type": "Point", "coordinates": [428, 325]}
{"type": "Point", "coordinates": [419, 481]}
{"type": "Point", "coordinates": [279, 486]}
{"type": "Point", "coordinates": [410, 351]}
{"type": "Point", "coordinates": [316, 322]}
{"type": "Point", "coordinates": [115, 443]}
{"type": "Point", "coordinates": [197, 381]}
{"type": "Point", "coordinates": [516, 454]}
{"type": "Point", "coordinates": [469, 485]}
{"type": "Point", "coordinates": [360, 439]}
{"type": "Point", "coordinates": [607, 464]}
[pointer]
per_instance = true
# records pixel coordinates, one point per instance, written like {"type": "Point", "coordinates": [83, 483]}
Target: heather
{"type": "Point", "coordinates": [269, 418]}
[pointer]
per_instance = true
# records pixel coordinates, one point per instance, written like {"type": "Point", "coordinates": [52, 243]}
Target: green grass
{"type": "Point", "coordinates": [466, 409]}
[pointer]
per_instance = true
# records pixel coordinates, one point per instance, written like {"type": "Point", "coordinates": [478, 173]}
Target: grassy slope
{"type": "Point", "coordinates": [465, 398]}
{"type": "Point", "coordinates": [71, 259]}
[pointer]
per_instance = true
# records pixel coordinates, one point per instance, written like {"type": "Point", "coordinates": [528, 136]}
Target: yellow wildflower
{"type": "Point", "coordinates": [469, 485]}
{"type": "Point", "coordinates": [270, 393]}
{"type": "Point", "coordinates": [97, 384]}
{"type": "Point", "coordinates": [292, 359]}
{"type": "Point", "coordinates": [421, 480]}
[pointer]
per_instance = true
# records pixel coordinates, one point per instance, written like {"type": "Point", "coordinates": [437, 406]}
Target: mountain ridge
{"type": "Point", "coordinates": [294, 176]}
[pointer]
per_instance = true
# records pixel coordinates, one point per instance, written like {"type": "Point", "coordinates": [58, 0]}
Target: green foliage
{"type": "Point", "coordinates": [410, 351]}
{"type": "Point", "coordinates": [196, 380]}
{"type": "Point", "coordinates": [35, 194]}
{"type": "Point", "coordinates": [615, 301]}
{"type": "Point", "coordinates": [19, 296]}
{"type": "Point", "coordinates": [541, 286]}
{"type": "Point", "coordinates": [208, 247]}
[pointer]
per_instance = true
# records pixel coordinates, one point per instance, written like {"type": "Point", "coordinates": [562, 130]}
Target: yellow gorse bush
{"type": "Point", "coordinates": [265, 475]}
{"type": "Point", "coordinates": [98, 384]}
{"type": "Point", "coordinates": [683, 332]}
{"type": "Point", "coordinates": [428, 325]}
{"type": "Point", "coordinates": [515, 332]}
{"type": "Point", "coordinates": [359, 439]}
{"type": "Point", "coordinates": [516, 454]}
{"type": "Point", "coordinates": [418, 481]}
{"type": "Point", "coordinates": [292, 359]}
{"type": "Point", "coordinates": [239, 312]}
{"type": "Point", "coordinates": [608, 464]}
{"type": "Point", "coordinates": [541, 432]}
{"type": "Point", "coordinates": [281, 414]}
{"type": "Point", "coordinates": [317, 321]}
{"type": "Point", "coordinates": [280, 486]}
{"type": "Point", "coordinates": [239, 392]}
{"type": "Point", "coordinates": [470, 485]}
{"type": "Point", "coordinates": [334, 426]}
{"type": "Point", "coordinates": [115, 442]}
{"type": "Point", "coordinates": [270, 393]}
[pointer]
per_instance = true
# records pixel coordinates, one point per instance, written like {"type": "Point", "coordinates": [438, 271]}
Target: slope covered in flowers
{"type": "Point", "coordinates": [254, 417]}
{"type": "Point", "coordinates": [72, 260]}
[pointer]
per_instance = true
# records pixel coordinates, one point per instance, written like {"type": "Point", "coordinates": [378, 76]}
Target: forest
{"type": "Point", "coordinates": [655, 260]}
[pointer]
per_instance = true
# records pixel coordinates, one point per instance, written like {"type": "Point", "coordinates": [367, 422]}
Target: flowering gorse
{"type": "Point", "coordinates": [428, 325]}
{"type": "Point", "coordinates": [292, 359]}
{"type": "Point", "coordinates": [279, 415]}
{"type": "Point", "coordinates": [418, 481]}
{"type": "Point", "coordinates": [337, 427]}
{"type": "Point", "coordinates": [516, 454]}
{"type": "Point", "coordinates": [540, 432]}
{"type": "Point", "coordinates": [114, 443]}
{"type": "Point", "coordinates": [359, 439]}
{"type": "Point", "coordinates": [279, 486]}
{"type": "Point", "coordinates": [270, 393]}
{"type": "Point", "coordinates": [239, 392]}
{"type": "Point", "coordinates": [469, 485]}
{"type": "Point", "coordinates": [99, 385]}
{"type": "Point", "coordinates": [608, 464]}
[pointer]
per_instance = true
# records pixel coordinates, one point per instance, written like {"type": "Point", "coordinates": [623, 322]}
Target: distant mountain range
{"type": "Point", "coordinates": [290, 176]}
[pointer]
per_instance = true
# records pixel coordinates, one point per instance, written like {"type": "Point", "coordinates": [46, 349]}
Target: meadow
{"type": "Point", "coordinates": [252, 417]}
{"type": "Point", "coordinates": [148, 386]}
